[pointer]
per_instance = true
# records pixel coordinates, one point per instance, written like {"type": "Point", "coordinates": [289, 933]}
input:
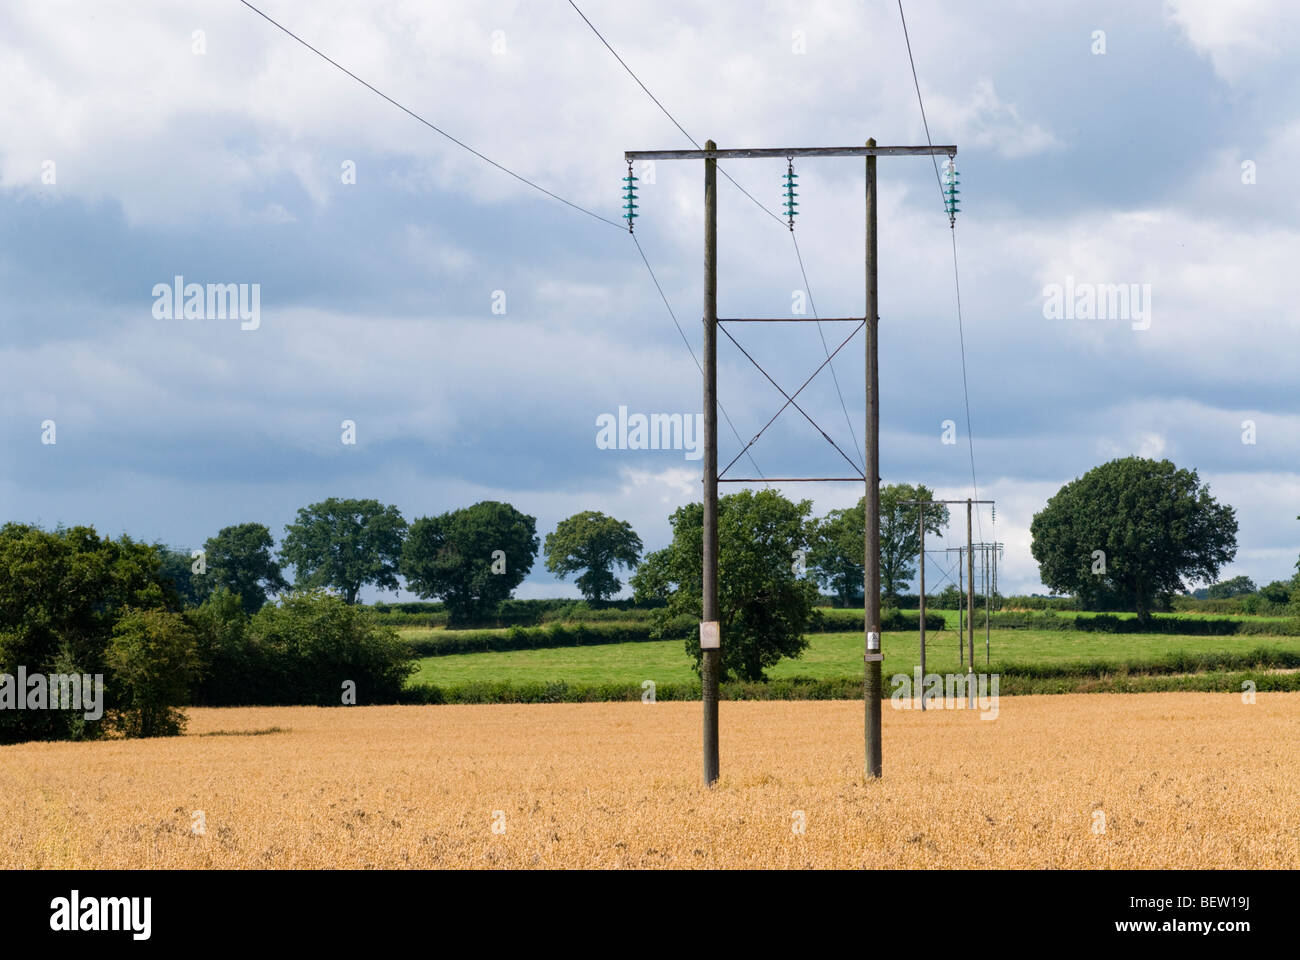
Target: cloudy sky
{"type": "Point", "coordinates": [145, 140]}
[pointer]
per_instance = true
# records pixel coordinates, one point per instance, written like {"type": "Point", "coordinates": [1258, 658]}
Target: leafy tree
{"type": "Point", "coordinates": [471, 559]}
{"type": "Point", "coordinates": [1278, 592]}
{"type": "Point", "coordinates": [764, 606]}
{"type": "Point", "coordinates": [1236, 587]}
{"type": "Point", "coordinates": [239, 559]}
{"type": "Point", "coordinates": [233, 669]}
{"type": "Point", "coordinates": [900, 536]}
{"type": "Point", "coordinates": [61, 592]}
{"type": "Point", "coordinates": [950, 598]}
{"type": "Point", "coordinates": [153, 662]}
{"type": "Point", "coordinates": [595, 543]}
{"type": "Point", "coordinates": [176, 567]}
{"type": "Point", "coordinates": [1153, 523]}
{"type": "Point", "coordinates": [836, 552]}
{"type": "Point", "coordinates": [345, 544]}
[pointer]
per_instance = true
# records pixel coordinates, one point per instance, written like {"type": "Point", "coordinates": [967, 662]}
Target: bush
{"type": "Point", "coordinates": [301, 650]}
{"type": "Point", "coordinates": [1272, 600]}
{"type": "Point", "coordinates": [794, 688]}
{"type": "Point", "coordinates": [1039, 603]}
{"type": "Point", "coordinates": [517, 613]}
{"type": "Point", "coordinates": [153, 660]}
{"type": "Point", "coordinates": [533, 638]}
{"type": "Point", "coordinates": [61, 593]}
{"type": "Point", "coordinates": [424, 613]}
{"type": "Point", "coordinates": [1109, 623]}
{"type": "Point", "coordinates": [662, 627]}
{"type": "Point", "coordinates": [840, 621]}
{"type": "Point", "coordinates": [316, 644]}
{"type": "Point", "coordinates": [231, 667]}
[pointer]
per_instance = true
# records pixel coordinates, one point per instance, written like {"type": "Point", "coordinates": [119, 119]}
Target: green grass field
{"type": "Point", "coordinates": [828, 655]}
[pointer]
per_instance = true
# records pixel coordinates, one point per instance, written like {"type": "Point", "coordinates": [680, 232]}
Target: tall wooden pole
{"type": "Point", "coordinates": [995, 571]}
{"type": "Point", "coordinates": [873, 688]}
{"type": "Point", "coordinates": [970, 586]}
{"type": "Point", "coordinates": [710, 637]}
{"type": "Point", "coordinates": [987, 601]}
{"type": "Point", "coordinates": [961, 612]}
{"type": "Point", "coordinates": [920, 620]}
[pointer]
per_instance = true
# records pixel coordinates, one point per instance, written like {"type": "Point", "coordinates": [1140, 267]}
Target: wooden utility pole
{"type": "Point", "coordinates": [710, 634]}
{"type": "Point", "coordinates": [995, 575]}
{"type": "Point", "coordinates": [970, 585]}
{"type": "Point", "coordinates": [961, 610]}
{"type": "Point", "coordinates": [986, 607]}
{"type": "Point", "coordinates": [710, 639]}
{"type": "Point", "coordinates": [920, 522]}
{"type": "Point", "coordinates": [920, 620]}
{"type": "Point", "coordinates": [873, 691]}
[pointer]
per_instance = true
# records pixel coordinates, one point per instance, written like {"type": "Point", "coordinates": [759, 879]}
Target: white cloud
{"type": "Point", "coordinates": [983, 120]}
{"type": "Point", "coordinates": [255, 131]}
{"type": "Point", "coordinates": [1237, 37]}
{"type": "Point", "coordinates": [103, 98]}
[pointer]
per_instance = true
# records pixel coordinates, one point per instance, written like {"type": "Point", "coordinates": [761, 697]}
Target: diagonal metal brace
{"type": "Point", "coordinates": [790, 400]}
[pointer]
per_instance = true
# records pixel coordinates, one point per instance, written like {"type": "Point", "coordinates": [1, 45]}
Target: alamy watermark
{"type": "Point", "coordinates": [214, 301]}
{"type": "Point", "coordinates": [1098, 301]}
{"type": "Point", "coordinates": [657, 431]}
{"type": "Point", "coordinates": [58, 691]}
{"type": "Point", "coordinates": [128, 914]}
{"type": "Point", "coordinates": [947, 691]}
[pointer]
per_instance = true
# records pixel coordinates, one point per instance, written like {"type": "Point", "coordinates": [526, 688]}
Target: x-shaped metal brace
{"type": "Point", "coordinates": [790, 401]}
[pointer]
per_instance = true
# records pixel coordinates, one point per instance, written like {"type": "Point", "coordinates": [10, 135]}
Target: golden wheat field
{"type": "Point", "coordinates": [1176, 779]}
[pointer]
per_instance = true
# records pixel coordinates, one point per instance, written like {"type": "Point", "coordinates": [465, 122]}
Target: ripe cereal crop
{"type": "Point", "coordinates": [1073, 781]}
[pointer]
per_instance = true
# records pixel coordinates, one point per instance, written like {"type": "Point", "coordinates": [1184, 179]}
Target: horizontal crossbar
{"type": "Point", "coordinates": [791, 320]}
{"type": "Point", "coordinates": [791, 479]}
{"type": "Point", "coordinates": [911, 502]}
{"type": "Point", "coordinates": [781, 152]}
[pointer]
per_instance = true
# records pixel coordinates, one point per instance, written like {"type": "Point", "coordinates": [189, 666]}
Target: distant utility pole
{"type": "Point", "coordinates": [970, 587]}
{"type": "Point", "coordinates": [970, 584]}
{"type": "Point", "coordinates": [961, 613]}
{"type": "Point", "coordinates": [710, 633]}
{"type": "Point", "coordinates": [989, 578]}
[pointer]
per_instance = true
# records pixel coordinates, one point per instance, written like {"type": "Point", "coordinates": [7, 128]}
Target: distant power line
{"type": "Point", "coordinates": [431, 126]}
{"type": "Point", "coordinates": [961, 333]}
{"type": "Point", "coordinates": [518, 177]}
{"type": "Point", "coordinates": [804, 273]}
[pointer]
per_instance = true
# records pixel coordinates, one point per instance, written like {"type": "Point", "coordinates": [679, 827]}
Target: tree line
{"type": "Point", "coordinates": [475, 557]}
{"type": "Point", "coordinates": [1126, 535]}
{"type": "Point", "coordinates": [170, 627]}
{"type": "Point", "coordinates": [471, 559]}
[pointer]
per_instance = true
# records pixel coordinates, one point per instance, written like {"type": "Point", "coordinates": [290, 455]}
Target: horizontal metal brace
{"type": "Point", "coordinates": [912, 502]}
{"type": "Point", "coordinates": [792, 479]}
{"type": "Point", "coordinates": [782, 152]}
{"type": "Point", "coordinates": [791, 320]}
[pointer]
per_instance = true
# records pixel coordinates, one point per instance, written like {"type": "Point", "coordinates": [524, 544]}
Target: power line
{"type": "Point", "coordinates": [961, 334]}
{"type": "Point", "coordinates": [433, 127]}
{"type": "Point", "coordinates": [691, 351]}
{"type": "Point", "coordinates": [633, 75]}
{"type": "Point", "coordinates": [517, 176]}
{"type": "Point", "coordinates": [917, 83]}
{"type": "Point", "coordinates": [843, 406]}
{"type": "Point", "coordinates": [695, 143]}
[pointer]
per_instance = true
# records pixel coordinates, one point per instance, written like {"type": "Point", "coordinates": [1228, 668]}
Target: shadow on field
{"type": "Point", "coordinates": [244, 733]}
